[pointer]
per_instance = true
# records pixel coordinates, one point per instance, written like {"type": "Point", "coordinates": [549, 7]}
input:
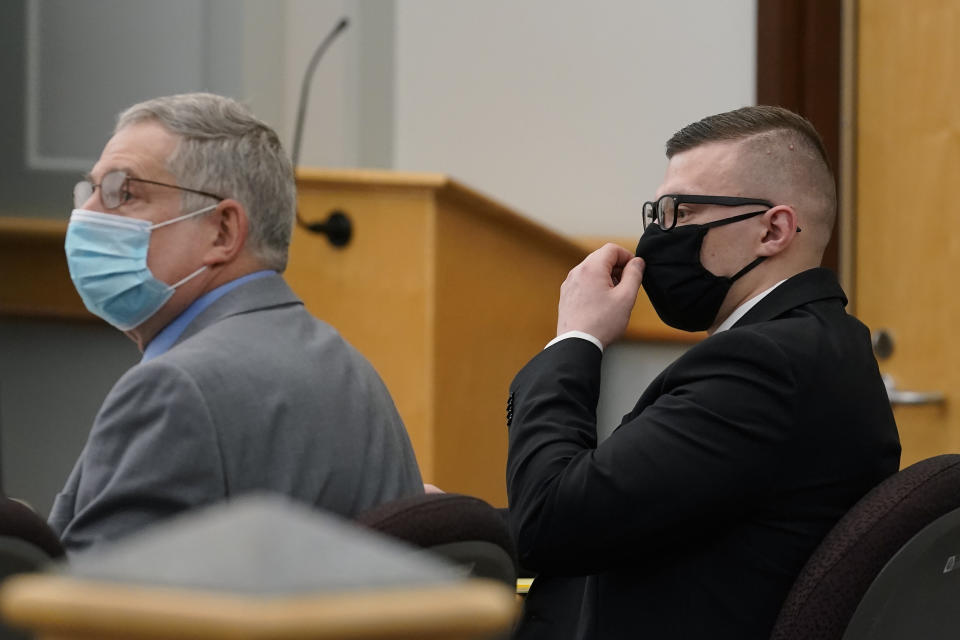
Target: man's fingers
{"type": "Point", "coordinates": [632, 275]}
{"type": "Point", "coordinates": [615, 275]}
{"type": "Point", "coordinates": [599, 293]}
{"type": "Point", "coordinates": [615, 254]}
{"type": "Point", "coordinates": [608, 260]}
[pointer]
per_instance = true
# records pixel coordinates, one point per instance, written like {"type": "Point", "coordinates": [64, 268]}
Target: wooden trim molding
{"type": "Point", "coordinates": [848, 151]}
{"type": "Point", "coordinates": [799, 66]}
{"type": "Point", "coordinates": [34, 281]}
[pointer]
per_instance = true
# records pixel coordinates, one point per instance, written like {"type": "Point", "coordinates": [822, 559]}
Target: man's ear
{"type": "Point", "coordinates": [780, 228]}
{"type": "Point", "coordinates": [231, 227]}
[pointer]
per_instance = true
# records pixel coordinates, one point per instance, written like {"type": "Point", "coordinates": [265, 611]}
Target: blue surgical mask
{"type": "Point", "coordinates": [107, 258]}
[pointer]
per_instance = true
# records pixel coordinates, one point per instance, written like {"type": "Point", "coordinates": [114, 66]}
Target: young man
{"type": "Point", "coordinates": [693, 519]}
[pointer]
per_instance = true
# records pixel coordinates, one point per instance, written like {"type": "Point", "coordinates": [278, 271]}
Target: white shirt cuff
{"type": "Point", "coordinates": [575, 334]}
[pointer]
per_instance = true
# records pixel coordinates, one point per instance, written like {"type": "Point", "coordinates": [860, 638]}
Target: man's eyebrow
{"type": "Point", "coordinates": [130, 173]}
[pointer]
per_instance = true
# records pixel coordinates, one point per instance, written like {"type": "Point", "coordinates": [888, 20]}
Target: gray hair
{"type": "Point", "coordinates": [224, 149]}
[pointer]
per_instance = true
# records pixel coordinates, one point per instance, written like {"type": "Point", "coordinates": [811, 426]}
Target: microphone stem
{"type": "Point", "coordinates": [305, 88]}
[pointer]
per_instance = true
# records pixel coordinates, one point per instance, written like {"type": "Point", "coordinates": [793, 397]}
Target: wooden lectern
{"type": "Point", "coordinates": [447, 293]}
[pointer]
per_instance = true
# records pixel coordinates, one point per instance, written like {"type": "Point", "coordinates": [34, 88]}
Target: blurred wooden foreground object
{"type": "Point", "coordinates": [60, 607]}
{"type": "Point", "coordinates": [257, 566]}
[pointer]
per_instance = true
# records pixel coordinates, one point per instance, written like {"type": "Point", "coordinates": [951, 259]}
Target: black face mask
{"type": "Point", "coordinates": [683, 293]}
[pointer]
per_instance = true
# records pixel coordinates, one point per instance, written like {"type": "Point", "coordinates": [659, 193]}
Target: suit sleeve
{"type": "Point", "coordinates": [701, 454]}
{"type": "Point", "coordinates": [153, 452]}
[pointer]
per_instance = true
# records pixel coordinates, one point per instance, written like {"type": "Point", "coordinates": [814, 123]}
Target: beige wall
{"type": "Point", "coordinates": [561, 109]}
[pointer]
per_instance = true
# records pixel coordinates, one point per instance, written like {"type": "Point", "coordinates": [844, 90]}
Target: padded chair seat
{"type": "Point", "coordinates": [17, 520]}
{"type": "Point", "coordinates": [831, 585]}
{"type": "Point", "coordinates": [464, 529]}
{"type": "Point", "coordinates": [27, 544]}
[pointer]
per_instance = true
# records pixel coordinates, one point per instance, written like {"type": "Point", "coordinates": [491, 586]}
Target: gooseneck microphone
{"type": "Point", "coordinates": [337, 227]}
{"type": "Point", "coordinates": [305, 86]}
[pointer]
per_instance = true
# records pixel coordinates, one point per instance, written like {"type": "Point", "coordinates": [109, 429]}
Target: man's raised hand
{"type": "Point", "coordinates": [599, 293]}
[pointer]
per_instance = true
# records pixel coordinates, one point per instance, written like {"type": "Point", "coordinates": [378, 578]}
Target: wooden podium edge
{"type": "Point", "coordinates": [644, 324]}
{"type": "Point", "coordinates": [445, 187]}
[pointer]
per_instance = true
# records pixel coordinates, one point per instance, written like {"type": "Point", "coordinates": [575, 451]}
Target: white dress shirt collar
{"type": "Point", "coordinates": [741, 311]}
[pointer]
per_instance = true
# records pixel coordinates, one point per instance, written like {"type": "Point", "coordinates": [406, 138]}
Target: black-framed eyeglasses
{"type": "Point", "coordinates": [664, 209]}
{"type": "Point", "coordinates": [114, 191]}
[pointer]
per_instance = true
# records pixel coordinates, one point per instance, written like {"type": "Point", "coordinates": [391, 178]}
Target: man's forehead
{"type": "Point", "coordinates": [139, 149]}
{"type": "Point", "coordinates": [706, 169]}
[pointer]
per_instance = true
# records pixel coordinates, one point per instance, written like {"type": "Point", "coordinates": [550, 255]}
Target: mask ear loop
{"type": "Point", "coordinates": [189, 277]}
{"type": "Point", "coordinates": [178, 219]}
{"type": "Point", "coordinates": [742, 216]}
{"type": "Point", "coordinates": [747, 268]}
{"type": "Point", "coordinates": [185, 216]}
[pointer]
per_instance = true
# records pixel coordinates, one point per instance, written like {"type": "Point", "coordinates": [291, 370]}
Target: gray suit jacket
{"type": "Point", "coordinates": [256, 395]}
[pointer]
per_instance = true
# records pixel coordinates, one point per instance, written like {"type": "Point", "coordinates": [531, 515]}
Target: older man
{"type": "Point", "coordinates": [178, 237]}
{"type": "Point", "coordinates": [694, 517]}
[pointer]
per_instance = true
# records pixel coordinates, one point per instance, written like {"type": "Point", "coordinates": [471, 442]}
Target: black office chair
{"type": "Point", "coordinates": [910, 506]}
{"type": "Point", "coordinates": [917, 595]}
{"type": "Point", "coordinates": [463, 529]}
{"type": "Point", "coordinates": [19, 521]}
{"type": "Point", "coordinates": [26, 544]}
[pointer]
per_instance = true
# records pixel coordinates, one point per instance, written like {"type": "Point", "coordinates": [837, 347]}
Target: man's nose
{"type": "Point", "coordinates": [93, 203]}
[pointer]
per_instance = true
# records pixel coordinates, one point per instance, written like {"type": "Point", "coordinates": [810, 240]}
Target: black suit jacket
{"type": "Point", "coordinates": [695, 516]}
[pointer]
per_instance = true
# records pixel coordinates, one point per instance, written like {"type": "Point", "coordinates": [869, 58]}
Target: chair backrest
{"type": "Point", "coordinates": [20, 556]}
{"type": "Point", "coordinates": [831, 585]}
{"type": "Point", "coordinates": [917, 595]}
{"type": "Point", "coordinates": [17, 520]}
{"type": "Point", "coordinates": [26, 544]}
{"type": "Point", "coordinates": [461, 528]}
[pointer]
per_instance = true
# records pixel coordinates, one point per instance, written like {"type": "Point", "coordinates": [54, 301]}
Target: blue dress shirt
{"type": "Point", "coordinates": [162, 342]}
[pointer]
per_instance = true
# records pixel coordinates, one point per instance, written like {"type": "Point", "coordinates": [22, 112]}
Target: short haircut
{"type": "Point", "coordinates": [744, 123]}
{"type": "Point", "coordinates": [224, 149]}
{"type": "Point", "coordinates": [768, 133]}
